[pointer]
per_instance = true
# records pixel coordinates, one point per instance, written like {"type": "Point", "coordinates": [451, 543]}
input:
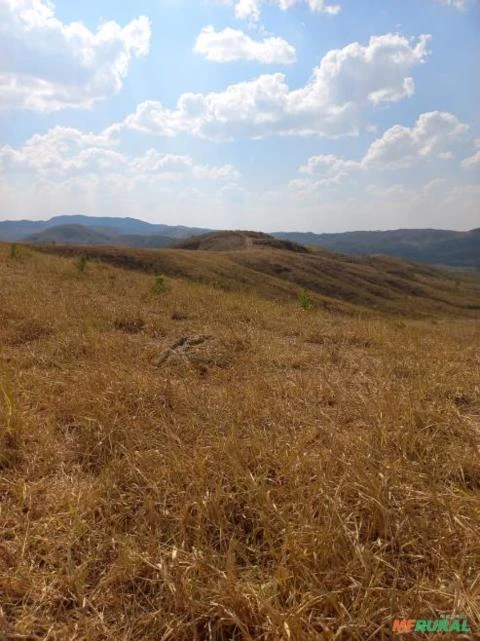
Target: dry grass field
{"type": "Point", "coordinates": [335, 282]}
{"type": "Point", "coordinates": [208, 463]}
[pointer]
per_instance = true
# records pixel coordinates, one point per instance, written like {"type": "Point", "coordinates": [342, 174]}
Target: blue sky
{"type": "Point", "coordinates": [264, 114]}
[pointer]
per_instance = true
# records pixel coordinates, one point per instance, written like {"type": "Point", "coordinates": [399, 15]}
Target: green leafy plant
{"type": "Point", "coordinates": [14, 251]}
{"type": "Point", "coordinates": [304, 299]}
{"type": "Point", "coordinates": [160, 284]}
{"type": "Point", "coordinates": [82, 264]}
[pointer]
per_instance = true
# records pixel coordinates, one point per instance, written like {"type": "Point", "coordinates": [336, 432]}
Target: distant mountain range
{"type": "Point", "coordinates": [84, 235]}
{"type": "Point", "coordinates": [439, 247]}
{"type": "Point", "coordinates": [17, 230]}
{"type": "Point", "coordinates": [434, 246]}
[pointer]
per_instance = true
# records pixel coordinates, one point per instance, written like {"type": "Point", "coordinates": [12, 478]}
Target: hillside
{"type": "Point", "coordinates": [184, 462]}
{"type": "Point", "coordinates": [434, 246]}
{"type": "Point", "coordinates": [333, 281]}
{"type": "Point", "coordinates": [460, 250]}
{"type": "Point", "coordinates": [152, 241]}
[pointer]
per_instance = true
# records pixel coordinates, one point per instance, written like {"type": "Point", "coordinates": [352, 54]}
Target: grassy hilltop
{"type": "Point", "coordinates": [196, 457]}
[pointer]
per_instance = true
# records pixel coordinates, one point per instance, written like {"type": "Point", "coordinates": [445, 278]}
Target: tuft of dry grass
{"type": "Point", "coordinates": [218, 466]}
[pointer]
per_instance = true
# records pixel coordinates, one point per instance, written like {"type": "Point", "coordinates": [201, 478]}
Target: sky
{"type": "Point", "coordinates": [273, 115]}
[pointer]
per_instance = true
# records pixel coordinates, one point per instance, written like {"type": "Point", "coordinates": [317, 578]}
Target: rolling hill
{"type": "Point", "coordinates": [434, 246]}
{"type": "Point", "coordinates": [459, 250]}
{"type": "Point", "coordinates": [210, 461]}
{"type": "Point", "coordinates": [279, 270]}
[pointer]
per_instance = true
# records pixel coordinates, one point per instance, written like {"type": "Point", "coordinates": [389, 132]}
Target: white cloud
{"type": "Point", "coordinates": [47, 65]}
{"type": "Point", "coordinates": [231, 45]}
{"type": "Point", "coordinates": [63, 152]}
{"type": "Point", "coordinates": [155, 197]}
{"type": "Point", "coordinates": [50, 151]}
{"type": "Point", "coordinates": [324, 165]}
{"type": "Point", "coordinates": [370, 207]}
{"type": "Point", "coordinates": [472, 162]}
{"type": "Point", "coordinates": [65, 170]}
{"type": "Point", "coordinates": [347, 83]}
{"type": "Point", "coordinates": [433, 135]}
{"type": "Point", "coordinates": [438, 187]}
{"type": "Point", "coordinates": [251, 9]}
{"type": "Point", "coordinates": [457, 4]}
{"type": "Point", "coordinates": [148, 197]}
{"type": "Point", "coordinates": [322, 171]}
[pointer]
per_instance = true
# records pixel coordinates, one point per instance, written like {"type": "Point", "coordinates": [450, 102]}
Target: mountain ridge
{"type": "Point", "coordinates": [433, 246]}
{"type": "Point", "coordinates": [12, 230]}
{"type": "Point", "coordinates": [75, 234]}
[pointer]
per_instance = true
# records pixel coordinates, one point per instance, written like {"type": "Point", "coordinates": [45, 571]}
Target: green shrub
{"type": "Point", "coordinates": [82, 264]}
{"type": "Point", "coordinates": [304, 299]}
{"type": "Point", "coordinates": [14, 251]}
{"type": "Point", "coordinates": [160, 284]}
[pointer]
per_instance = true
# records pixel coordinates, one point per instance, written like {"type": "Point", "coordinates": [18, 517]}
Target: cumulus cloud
{"type": "Point", "coordinates": [231, 45]}
{"type": "Point", "coordinates": [47, 65]}
{"type": "Point", "coordinates": [64, 152]}
{"type": "Point", "coordinates": [325, 170]}
{"type": "Point", "coordinates": [251, 9]}
{"type": "Point", "coordinates": [473, 162]}
{"type": "Point", "coordinates": [433, 135]}
{"type": "Point", "coordinates": [346, 84]}
{"type": "Point", "coordinates": [50, 151]}
{"type": "Point", "coordinates": [67, 170]}
{"type": "Point", "coordinates": [169, 198]}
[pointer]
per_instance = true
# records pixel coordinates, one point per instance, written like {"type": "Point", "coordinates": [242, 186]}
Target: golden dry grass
{"type": "Point", "coordinates": [202, 465]}
{"type": "Point", "coordinates": [346, 284]}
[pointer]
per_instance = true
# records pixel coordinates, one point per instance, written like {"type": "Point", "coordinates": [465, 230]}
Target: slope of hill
{"type": "Point", "coordinates": [150, 241]}
{"type": "Point", "coordinates": [434, 246]}
{"type": "Point", "coordinates": [212, 465]}
{"type": "Point", "coordinates": [334, 281]}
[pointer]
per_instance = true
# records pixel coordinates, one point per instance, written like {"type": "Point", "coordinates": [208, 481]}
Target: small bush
{"type": "Point", "coordinates": [82, 264]}
{"type": "Point", "coordinates": [160, 284]}
{"type": "Point", "coordinates": [14, 251]}
{"type": "Point", "coordinates": [304, 299]}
